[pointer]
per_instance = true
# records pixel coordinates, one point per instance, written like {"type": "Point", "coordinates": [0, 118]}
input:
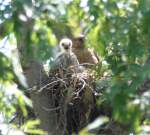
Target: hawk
{"type": "Point", "coordinates": [67, 60]}
{"type": "Point", "coordinates": [84, 55]}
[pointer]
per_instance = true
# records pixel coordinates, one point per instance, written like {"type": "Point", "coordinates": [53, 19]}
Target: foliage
{"type": "Point", "coordinates": [118, 30]}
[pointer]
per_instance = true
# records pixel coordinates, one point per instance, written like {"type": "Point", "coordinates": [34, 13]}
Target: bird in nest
{"type": "Point", "coordinates": [67, 60]}
{"type": "Point", "coordinates": [84, 55]}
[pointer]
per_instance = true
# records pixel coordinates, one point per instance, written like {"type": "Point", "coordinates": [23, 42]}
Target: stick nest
{"type": "Point", "coordinates": [73, 97]}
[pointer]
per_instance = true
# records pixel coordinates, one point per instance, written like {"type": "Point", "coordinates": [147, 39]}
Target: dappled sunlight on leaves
{"type": "Point", "coordinates": [117, 30]}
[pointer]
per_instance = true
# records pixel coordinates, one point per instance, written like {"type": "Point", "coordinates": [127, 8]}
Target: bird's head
{"type": "Point", "coordinates": [78, 42]}
{"type": "Point", "coordinates": [65, 44]}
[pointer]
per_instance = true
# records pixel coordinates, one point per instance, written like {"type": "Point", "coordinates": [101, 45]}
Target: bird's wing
{"type": "Point", "coordinates": [74, 59]}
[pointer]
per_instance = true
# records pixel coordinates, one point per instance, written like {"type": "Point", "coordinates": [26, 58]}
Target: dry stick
{"type": "Point", "coordinates": [34, 87]}
{"type": "Point", "coordinates": [83, 86]}
{"type": "Point", "coordinates": [41, 89]}
{"type": "Point", "coordinates": [62, 80]}
{"type": "Point", "coordinates": [86, 64]}
{"type": "Point", "coordinates": [83, 64]}
{"type": "Point", "coordinates": [51, 109]}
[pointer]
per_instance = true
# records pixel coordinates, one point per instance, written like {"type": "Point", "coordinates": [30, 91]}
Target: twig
{"type": "Point", "coordinates": [51, 109]}
{"type": "Point", "coordinates": [86, 64]}
{"type": "Point", "coordinates": [62, 80]}
{"type": "Point", "coordinates": [83, 64]}
{"type": "Point", "coordinates": [41, 89]}
{"type": "Point", "coordinates": [83, 86]}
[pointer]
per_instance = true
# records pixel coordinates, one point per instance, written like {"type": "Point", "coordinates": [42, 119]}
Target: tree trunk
{"type": "Point", "coordinates": [35, 76]}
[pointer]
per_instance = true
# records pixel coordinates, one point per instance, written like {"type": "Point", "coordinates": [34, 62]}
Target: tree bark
{"type": "Point", "coordinates": [35, 76]}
